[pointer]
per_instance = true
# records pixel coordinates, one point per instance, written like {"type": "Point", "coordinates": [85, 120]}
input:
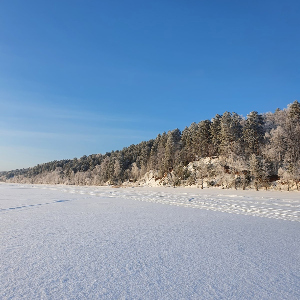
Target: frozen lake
{"type": "Point", "coordinates": [66, 242]}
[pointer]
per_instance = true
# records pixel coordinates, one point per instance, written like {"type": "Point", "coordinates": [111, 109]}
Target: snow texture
{"type": "Point", "coordinates": [68, 242]}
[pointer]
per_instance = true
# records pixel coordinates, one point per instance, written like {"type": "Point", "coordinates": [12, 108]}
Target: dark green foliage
{"type": "Point", "coordinates": [251, 150]}
{"type": "Point", "coordinates": [253, 133]}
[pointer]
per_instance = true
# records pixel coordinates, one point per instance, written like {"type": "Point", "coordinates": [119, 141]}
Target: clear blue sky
{"type": "Point", "coordinates": [84, 77]}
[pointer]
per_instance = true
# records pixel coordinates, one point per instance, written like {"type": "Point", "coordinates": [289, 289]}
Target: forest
{"type": "Point", "coordinates": [228, 151]}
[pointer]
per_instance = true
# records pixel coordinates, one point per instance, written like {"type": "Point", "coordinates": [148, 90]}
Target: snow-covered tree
{"type": "Point", "coordinates": [253, 133]}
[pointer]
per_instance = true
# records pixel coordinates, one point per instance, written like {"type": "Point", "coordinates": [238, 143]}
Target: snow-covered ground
{"type": "Point", "coordinates": [66, 242]}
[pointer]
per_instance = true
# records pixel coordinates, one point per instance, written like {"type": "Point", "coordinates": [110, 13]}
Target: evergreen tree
{"type": "Point", "coordinates": [253, 133]}
{"type": "Point", "coordinates": [230, 133]}
{"type": "Point", "coordinates": [215, 130]}
{"type": "Point", "coordinates": [172, 149]}
{"type": "Point", "coordinates": [204, 139]}
{"type": "Point", "coordinates": [269, 143]}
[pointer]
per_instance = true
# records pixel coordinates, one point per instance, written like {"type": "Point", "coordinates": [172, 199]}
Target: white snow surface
{"type": "Point", "coordinates": [68, 242]}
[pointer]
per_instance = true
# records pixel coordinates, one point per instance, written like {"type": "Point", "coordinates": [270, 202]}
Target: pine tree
{"type": "Point", "coordinates": [153, 159]}
{"type": "Point", "coordinates": [292, 129]}
{"type": "Point", "coordinates": [172, 149]}
{"type": "Point", "coordinates": [204, 139]}
{"type": "Point", "coordinates": [215, 130]}
{"type": "Point", "coordinates": [230, 133]}
{"type": "Point", "coordinates": [294, 111]}
{"type": "Point", "coordinates": [253, 133]}
{"type": "Point", "coordinates": [189, 144]}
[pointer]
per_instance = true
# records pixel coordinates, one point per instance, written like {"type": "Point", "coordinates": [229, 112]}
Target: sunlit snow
{"type": "Point", "coordinates": [68, 242]}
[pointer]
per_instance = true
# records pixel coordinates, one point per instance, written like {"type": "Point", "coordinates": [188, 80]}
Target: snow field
{"type": "Point", "coordinates": [272, 204]}
{"type": "Point", "coordinates": [66, 242]}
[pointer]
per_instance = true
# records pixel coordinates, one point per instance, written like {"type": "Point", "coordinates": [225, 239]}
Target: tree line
{"type": "Point", "coordinates": [259, 151]}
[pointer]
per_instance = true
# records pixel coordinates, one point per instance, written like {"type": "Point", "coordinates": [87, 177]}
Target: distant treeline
{"type": "Point", "coordinates": [228, 151]}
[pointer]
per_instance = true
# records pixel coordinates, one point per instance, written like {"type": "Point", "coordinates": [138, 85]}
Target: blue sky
{"type": "Point", "coordinates": [84, 77]}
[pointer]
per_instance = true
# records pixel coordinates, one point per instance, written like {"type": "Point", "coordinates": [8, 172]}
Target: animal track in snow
{"type": "Point", "coordinates": [259, 206]}
{"type": "Point", "coordinates": [246, 204]}
{"type": "Point", "coordinates": [31, 205]}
